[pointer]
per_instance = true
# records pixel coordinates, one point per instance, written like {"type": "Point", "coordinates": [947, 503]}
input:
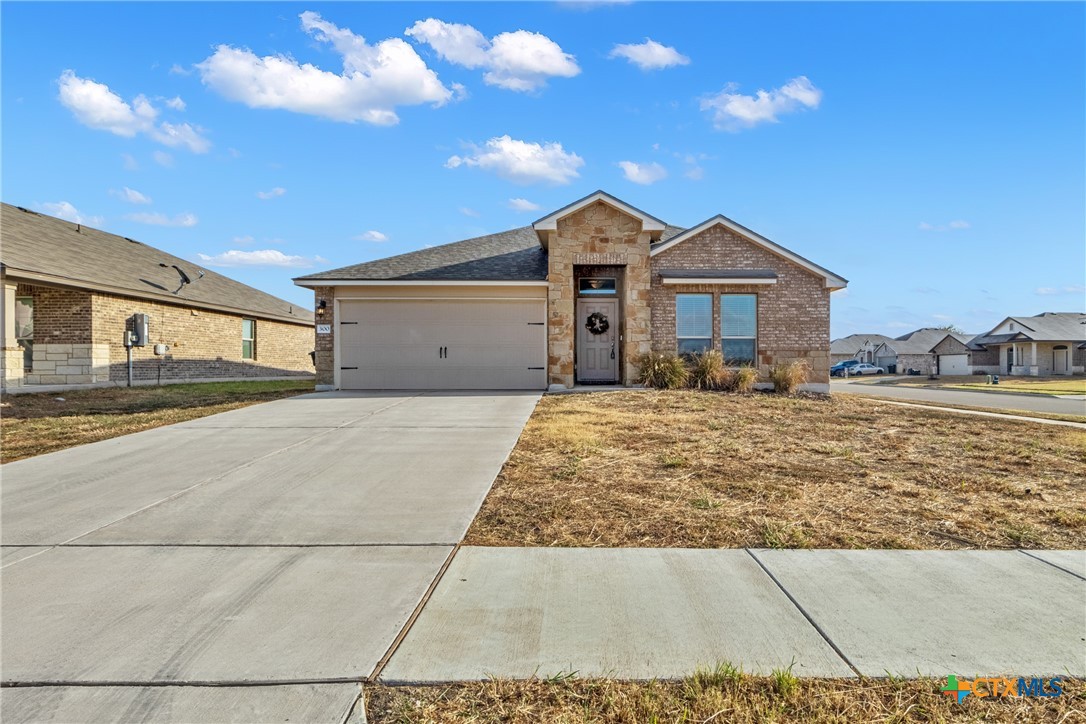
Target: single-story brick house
{"type": "Point", "coordinates": [576, 298]}
{"type": "Point", "coordinates": [70, 293]}
{"type": "Point", "coordinates": [860, 347]}
{"type": "Point", "coordinates": [1050, 343]}
{"type": "Point", "coordinates": [896, 355]}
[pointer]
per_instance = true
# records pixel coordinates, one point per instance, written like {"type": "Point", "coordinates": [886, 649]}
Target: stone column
{"type": "Point", "coordinates": [11, 361]}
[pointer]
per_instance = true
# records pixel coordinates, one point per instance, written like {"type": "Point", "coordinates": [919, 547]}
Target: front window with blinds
{"type": "Point", "coordinates": [694, 322]}
{"type": "Point", "coordinates": [248, 339]}
{"type": "Point", "coordinates": [738, 328]}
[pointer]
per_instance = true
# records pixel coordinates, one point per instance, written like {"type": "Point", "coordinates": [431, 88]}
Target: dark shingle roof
{"type": "Point", "coordinates": [43, 248]}
{"type": "Point", "coordinates": [508, 256]}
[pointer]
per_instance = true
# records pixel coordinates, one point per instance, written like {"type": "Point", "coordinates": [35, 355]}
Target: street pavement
{"type": "Point", "coordinates": [1003, 402]}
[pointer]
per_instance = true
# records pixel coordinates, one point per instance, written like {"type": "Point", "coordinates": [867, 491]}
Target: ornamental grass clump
{"type": "Point", "coordinates": [708, 371]}
{"type": "Point", "coordinates": [745, 378]}
{"type": "Point", "coordinates": [788, 376]}
{"type": "Point", "coordinates": [662, 370]}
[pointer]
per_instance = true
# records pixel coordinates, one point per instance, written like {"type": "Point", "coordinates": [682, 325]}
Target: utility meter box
{"type": "Point", "coordinates": [161, 349]}
{"type": "Point", "coordinates": [139, 330]}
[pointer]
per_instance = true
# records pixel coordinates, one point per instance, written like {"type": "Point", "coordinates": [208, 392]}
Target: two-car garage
{"type": "Point", "coordinates": [441, 343]}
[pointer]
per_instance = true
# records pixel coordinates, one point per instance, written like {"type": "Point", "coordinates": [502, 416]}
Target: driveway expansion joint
{"type": "Point", "coordinates": [806, 615]}
{"type": "Point", "coordinates": [1050, 563]}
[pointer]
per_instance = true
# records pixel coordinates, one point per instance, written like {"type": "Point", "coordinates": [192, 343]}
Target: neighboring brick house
{"type": "Point", "coordinates": [860, 347]}
{"type": "Point", "coordinates": [1050, 343]}
{"type": "Point", "coordinates": [577, 298]}
{"type": "Point", "coordinates": [70, 293]}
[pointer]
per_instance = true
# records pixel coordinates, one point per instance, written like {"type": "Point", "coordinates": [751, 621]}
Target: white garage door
{"type": "Point", "coordinates": [953, 364]}
{"type": "Point", "coordinates": [457, 344]}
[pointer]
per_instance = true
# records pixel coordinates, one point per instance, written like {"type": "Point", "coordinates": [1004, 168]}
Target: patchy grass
{"type": "Point", "coordinates": [1001, 410]}
{"type": "Point", "coordinates": [723, 694]}
{"type": "Point", "coordinates": [39, 423]}
{"type": "Point", "coordinates": [698, 469]}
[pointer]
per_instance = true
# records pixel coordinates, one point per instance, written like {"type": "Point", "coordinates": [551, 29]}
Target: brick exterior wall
{"type": "Point", "coordinates": [203, 343]}
{"type": "Point", "coordinates": [793, 314]}
{"type": "Point", "coordinates": [324, 344]}
{"type": "Point", "coordinates": [597, 235]}
{"type": "Point", "coordinates": [79, 338]}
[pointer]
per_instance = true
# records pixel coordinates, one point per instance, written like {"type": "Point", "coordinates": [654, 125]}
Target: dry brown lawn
{"type": "Point", "coordinates": [697, 469]}
{"type": "Point", "coordinates": [39, 423]}
{"type": "Point", "coordinates": [719, 696]}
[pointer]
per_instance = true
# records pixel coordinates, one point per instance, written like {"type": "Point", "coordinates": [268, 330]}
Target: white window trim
{"type": "Point", "coordinates": [250, 340]}
{"type": "Point", "coordinates": [678, 337]}
{"type": "Point", "coordinates": [723, 336]}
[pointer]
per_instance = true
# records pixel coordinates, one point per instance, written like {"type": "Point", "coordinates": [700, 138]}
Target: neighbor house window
{"type": "Point", "coordinates": [24, 329]}
{"type": "Point", "coordinates": [738, 328]}
{"type": "Point", "coordinates": [248, 339]}
{"type": "Point", "coordinates": [694, 322]}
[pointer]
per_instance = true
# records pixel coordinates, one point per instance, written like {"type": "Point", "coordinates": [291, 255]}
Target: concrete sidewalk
{"type": "Point", "coordinates": [662, 613]}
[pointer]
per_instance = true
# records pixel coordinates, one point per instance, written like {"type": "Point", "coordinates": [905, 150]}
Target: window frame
{"type": "Point", "coordinates": [753, 362]}
{"type": "Point", "coordinates": [251, 340]}
{"type": "Point", "coordinates": [612, 292]}
{"type": "Point", "coordinates": [680, 338]}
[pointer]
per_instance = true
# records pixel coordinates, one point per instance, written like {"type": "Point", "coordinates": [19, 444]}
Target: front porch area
{"type": "Point", "coordinates": [1038, 359]}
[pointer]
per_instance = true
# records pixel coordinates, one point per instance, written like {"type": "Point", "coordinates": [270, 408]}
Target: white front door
{"type": "Point", "coordinates": [597, 340]}
{"type": "Point", "coordinates": [463, 344]}
{"type": "Point", "coordinates": [1061, 360]}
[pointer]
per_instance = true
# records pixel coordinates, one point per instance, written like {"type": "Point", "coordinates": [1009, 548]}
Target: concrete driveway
{"type": "Point", "coordinates": [993, 400]}
{"type": "Point", "coordinates": [286, 543]}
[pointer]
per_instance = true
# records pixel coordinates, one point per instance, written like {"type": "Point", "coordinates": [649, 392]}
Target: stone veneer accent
{"type": "Point", "coordinates": [597, 235]}
{"type": "Point", "coordinates": [325, 343]}
{"type": "Point", "coordinates": [793, 314]}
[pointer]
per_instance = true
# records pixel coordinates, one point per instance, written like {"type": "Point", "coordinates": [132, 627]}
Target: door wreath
{"type": "Point", "coordinates": [597, 323]}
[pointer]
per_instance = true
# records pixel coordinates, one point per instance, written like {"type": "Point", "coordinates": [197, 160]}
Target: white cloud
{"type": "Point", "coordinates": [130, 195]}
{"type": "Point", "coordinates": [65, 210]}
{"type": "Point", "coordinates": [163, 159]}
{"type": "Point", "coordinates": [523, 205]}
{"type": "Point", "coordinates": [374, 81]}
{"type": "Point", "coordinates": [517, 61]}
{"type": "Point", "coordinates": [696, 173]}
{"type": "Point", "coordinates": [643, 173]}
{"type": "Point", "coordinates": [96, 106]}
{"type": "Point", "coordinates": [1054, 291]}
{"type": "Point", "coordinates": [177, 69]}
{"type": "Point", "coordinates": [372, 235]}
{"type": "Point", "coordinates": [243, 240]}
{"type": "Point", "coordinates": [734, 111]}
{"type": "Point", "coordinates": [466, 211]}
{"type": "Point", "coordinates": [271, 194]}
{"type": "Point", "coordinates": [955, 225]}
{"type": "Point", "coordinates": [130, 163]}
{"type": "Point", "coordinates": [176, 103]}
{"type": "Point", "coordinates": [522, 162]}
{"type": "Point", "coordinates": [649, 55]}
{"type": "Point", "coordinates": [261, 257]}
{"type": "Point", "coordinates": [158, 219]}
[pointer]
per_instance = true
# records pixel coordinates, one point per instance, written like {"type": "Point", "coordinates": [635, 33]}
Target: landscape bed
{"type": "Point", "coordinates": [38, 423]}
{"type": "Point", "coordinates": [646, 468]}
{"type": "Point", "coordinates": [721, 695]}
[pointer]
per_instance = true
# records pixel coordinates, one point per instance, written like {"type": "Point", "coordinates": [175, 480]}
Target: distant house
{"type": "Point", "coordinates": [894, 354]}
{"type": "Point", "coordinates": [70, 293]}
{"type": "Point", "coordinates": [856, 346]}
{"type": "Point", "coordinates": [1051, 343]}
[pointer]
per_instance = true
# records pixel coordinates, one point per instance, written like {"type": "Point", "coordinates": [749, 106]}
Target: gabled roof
{"type": "Point", "coordinates": [1044, 327]}
{"type": "Point", "coordinates": [855, 342]}
{"type": "Point", "coordinates": [39, 248]}
{"type": "Point", "coordinates": [511, 256]}
{"type": "Point", "coordinates": [549, 223]}
{"type": "Point", "coordinates": [921, 341]}
{"type": "Point", "coordinates": [833, 281]}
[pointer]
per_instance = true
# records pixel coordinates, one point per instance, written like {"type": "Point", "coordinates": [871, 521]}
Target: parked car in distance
{"type": "Point", "coordinates": [838, 370]}
{"type": "Point", "coordinates": [865, 369]}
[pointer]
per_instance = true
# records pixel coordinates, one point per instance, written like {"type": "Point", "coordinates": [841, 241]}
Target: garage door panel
{"type": "Point", "coordinates": [395, 344]}
{"type": "Point", "coordinates": [953, 364]}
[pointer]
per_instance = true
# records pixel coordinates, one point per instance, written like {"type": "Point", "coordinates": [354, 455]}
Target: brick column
{"type": "Point", "coordinates": [11, 360]}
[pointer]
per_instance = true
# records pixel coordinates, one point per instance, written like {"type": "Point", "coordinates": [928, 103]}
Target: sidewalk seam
{"type": "Point", "coordinates": [806, 615]}
{"type": "Point", "coordinates": [383, 661]}
{"type": "Point", "coordinates": [1050, 563]}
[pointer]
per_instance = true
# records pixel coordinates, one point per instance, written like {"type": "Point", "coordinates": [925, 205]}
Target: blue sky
{"type": "Point", "coordinates": [933, 154]}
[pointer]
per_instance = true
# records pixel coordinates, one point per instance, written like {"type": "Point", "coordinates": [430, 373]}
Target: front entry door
{"type": "Point", "coordinates": [1010, 359]}
{"type": "Point", "coordinates": [597, 340]}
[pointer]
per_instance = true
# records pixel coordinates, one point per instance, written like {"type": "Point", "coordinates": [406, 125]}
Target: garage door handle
{"type": "Point", "coordinates": [348, 368]}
